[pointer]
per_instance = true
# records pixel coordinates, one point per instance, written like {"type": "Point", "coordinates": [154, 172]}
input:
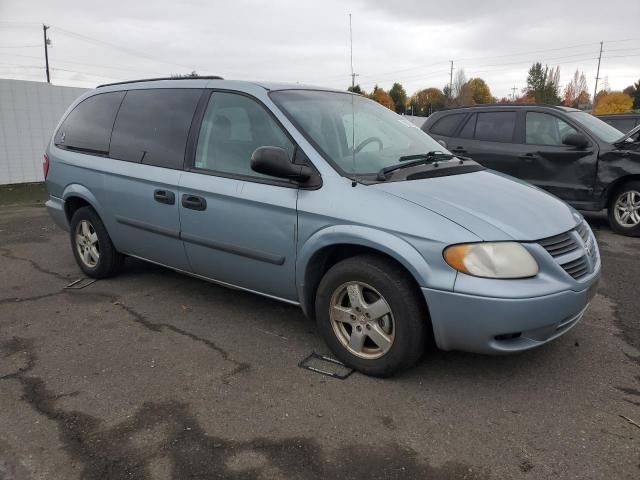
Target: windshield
{"type": "Point", "coordinates": [355, 134]}
{"type": "Point", "coordinates": [600, 129]}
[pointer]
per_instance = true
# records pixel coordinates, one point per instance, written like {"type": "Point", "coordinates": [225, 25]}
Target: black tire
{"type": "Point", "coordinates": [410, 322]}
{"type": "Point", "coordinates": [616, 225]}
{"type": "Point", "coordinates": [109, 261]}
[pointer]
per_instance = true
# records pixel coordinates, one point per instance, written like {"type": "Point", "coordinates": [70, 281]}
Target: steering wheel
{"type": "Point", "coordinates": [366, 142]}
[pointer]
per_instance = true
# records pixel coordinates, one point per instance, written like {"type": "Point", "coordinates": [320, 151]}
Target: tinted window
{"type": "Point", "coordinates": [495, 126]}
{"type": "Point", "coordinates": [545, 129]}
{"type": "Point", "coordinates": [447, 125]}
{"type": "Point", "coordinates": [469, 128]}
{"type": "Point", "coordinates": [232, 128]}
{"type": "Point", "coordinates": [153, 125]}
{"type": "Point", "coordinates": [88, 126]}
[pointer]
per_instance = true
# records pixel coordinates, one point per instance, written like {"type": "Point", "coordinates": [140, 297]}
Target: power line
{"type": "Point", "coordinates": [119, 47]}
{"type": "Point", "coordinates": [20, 46]}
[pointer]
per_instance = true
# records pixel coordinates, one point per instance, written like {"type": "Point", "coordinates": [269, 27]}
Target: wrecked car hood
{"type": "Point", "coordinates": [629, 134]}
{"type": "Point", "coordinates": [492, 206]}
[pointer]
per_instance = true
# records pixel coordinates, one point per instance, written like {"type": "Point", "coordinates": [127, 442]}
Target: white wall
{"type": "Point", "coordinates": [416, 120]}
{"type": "Point", "coordinates": [29, 112]}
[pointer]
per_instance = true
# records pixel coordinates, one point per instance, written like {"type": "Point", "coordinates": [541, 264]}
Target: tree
{"type": "Point", "coordinates": [356, 89]}
{"type": "Point", "coordinates": [427, 101]}
{"type": "Point", "coordinates": [634, 92]}
{"type": "Point", "coordinates": [576, 92]}
{"type": "Point", "coordinates": [382, 97]}
{"type": "Point", "coordinates": [193, 74]}
{"type": "Point", "coordinates": [543, 84]}
{"type": "Point", "coordinates": [399, 96]}
{"type": "Point", "coordinates": [613, 102]}
{"type": "Point", "coordinates": [478, 91]}
{"type": "Point", "coordinates": [459, 82]}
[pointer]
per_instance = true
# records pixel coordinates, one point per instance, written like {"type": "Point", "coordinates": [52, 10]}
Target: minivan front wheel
{"type": "Point", "coordinates": [92, 247]}
{"type": "Point", "coordinates": [624, 210]}
{"type": "Point", "coordinates": [371, 316]}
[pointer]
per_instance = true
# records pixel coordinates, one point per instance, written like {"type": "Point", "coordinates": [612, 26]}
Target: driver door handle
{"type": "Point", "coordinates": [528, 157]}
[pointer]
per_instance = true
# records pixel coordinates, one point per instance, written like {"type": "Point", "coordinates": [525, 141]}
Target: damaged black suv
{"type": "Point", "coordinates": [570, 153]}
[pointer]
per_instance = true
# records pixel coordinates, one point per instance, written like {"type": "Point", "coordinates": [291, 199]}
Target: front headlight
{"type": "Point", "coordinates": [492, 260]}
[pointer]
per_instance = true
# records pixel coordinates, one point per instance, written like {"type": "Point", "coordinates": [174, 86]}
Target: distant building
{"type": "Point", "coordinates": [29, 112]}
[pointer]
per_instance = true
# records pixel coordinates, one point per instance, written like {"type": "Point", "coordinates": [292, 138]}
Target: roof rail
{"type": "Point", "coordinates": [207, 77]}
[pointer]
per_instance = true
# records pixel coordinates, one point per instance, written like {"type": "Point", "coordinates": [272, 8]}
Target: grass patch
{"type": "Point", "coordinates": [23, 193]}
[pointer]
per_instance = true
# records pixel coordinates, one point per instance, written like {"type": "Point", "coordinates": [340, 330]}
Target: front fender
{"type": "Point", "coordinates": [382, 241]}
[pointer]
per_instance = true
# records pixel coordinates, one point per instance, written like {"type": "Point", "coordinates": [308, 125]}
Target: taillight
{"type": "Point", "coordinates": [45, 165]}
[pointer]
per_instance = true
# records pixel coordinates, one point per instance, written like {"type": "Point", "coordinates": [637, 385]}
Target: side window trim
{"type": "Point", "coordinates": [194, 134]}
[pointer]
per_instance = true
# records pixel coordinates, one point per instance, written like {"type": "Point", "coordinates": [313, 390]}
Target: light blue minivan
{"type": "Point", "coordinates": [322, 199]}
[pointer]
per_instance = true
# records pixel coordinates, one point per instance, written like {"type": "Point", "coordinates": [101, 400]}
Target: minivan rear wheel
{"type": "Point", "coordinates": [371, 315]}
{"type": "Point", "coordinates": [624, 209]}
{"type": "Point", "coordinates": [92, 246]}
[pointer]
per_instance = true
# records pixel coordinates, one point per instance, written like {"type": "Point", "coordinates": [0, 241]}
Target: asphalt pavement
{"type": "Point", "coordinates": [156, 375]}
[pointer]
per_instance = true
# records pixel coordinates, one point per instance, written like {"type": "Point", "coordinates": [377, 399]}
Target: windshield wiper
{"type": "Point", "coordinates": [407, 161]}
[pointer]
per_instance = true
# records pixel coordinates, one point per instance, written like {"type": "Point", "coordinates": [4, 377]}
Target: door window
{"type": "Point", "coordinates": [495, 126]}
{"type": "Point", "coordinates": [88, 126]}
{"type": "Point", "coordinates": [152, 126]}
{"type": "Point", "coordinates": [545, 129]}
{"type": "Point", "coordinates": [447, 125]}
{"type": "Point", "coordinates": [232, 128]}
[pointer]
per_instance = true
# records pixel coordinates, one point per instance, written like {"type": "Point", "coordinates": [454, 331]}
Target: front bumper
{"type": "Point", "coordinates": [504, 325]}
{"type": "Point", "coordinates": [55, 207]}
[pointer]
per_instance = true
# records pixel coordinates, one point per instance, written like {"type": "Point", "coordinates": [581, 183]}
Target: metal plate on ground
{"type": "Point", "coordinates": [80, 283]}
{"type": "Point", "coordinates": [326, 366]}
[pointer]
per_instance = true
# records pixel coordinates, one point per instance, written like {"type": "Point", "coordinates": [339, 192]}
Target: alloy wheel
{"type": "Point", "coordinates": [87, 243]}
{"type": "Point", "coordinates": [627, 209]}
{"type": "Point", "coordinates": [362, 320]}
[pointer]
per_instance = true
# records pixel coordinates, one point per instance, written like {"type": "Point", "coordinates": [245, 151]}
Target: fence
{"type": "Point", "coordinates": [29, 112]}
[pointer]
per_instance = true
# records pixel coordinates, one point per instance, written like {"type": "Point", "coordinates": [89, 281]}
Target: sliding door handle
{"type": "Point", "coordinates": [194, 202]}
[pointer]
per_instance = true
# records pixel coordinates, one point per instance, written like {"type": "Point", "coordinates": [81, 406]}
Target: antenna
{"type": "Point", "coordinates": [353, 75]}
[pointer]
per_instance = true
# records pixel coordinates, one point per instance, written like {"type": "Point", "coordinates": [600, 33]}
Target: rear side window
{"type": "Point", "coordinates": [470, 127]}
{"type": "Point", "coordinates": [88, 126]}
{"type": "Point", "coordinates": [495, 126]}
{"type": "Point", "coordinates": [153, 125]}
{"type": "Point", "coordinates": [447, 125]}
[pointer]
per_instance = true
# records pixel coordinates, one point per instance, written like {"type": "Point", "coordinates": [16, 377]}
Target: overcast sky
{"type": "Point", "coordinates": [408, 41]}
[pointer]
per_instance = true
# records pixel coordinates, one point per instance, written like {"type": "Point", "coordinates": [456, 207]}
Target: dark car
{"type": "Point", "coordinates": [568, 152]}
{"type": "Point", "coordinates": [622, 121]}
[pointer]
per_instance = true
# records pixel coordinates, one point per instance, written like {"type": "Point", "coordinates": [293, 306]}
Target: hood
{"type": "Point", "coordinates": [490, 205]}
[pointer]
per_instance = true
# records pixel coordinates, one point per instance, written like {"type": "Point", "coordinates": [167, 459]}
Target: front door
{"type": "Point", "coordinates": [239, 226]}
{"type": "Point", "coordinates": [563, 170]}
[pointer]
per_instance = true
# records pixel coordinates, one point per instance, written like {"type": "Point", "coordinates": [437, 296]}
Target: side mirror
{"type": "Point", "coordinates": [274, 161]}
{"type": "Point", "coordinates": [575, 140]}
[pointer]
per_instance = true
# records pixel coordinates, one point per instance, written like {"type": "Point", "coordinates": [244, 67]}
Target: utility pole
{"type": "Point", "coordinates": [451, 81]}
{"type": "Point", "coordinates": [47, 42]}
{"type": "Point", "coordinates": [595, 91]}
{"type": "Point", "coordinates": [353, 75]}
{"type": "Point", "coordinates": [513, 95]}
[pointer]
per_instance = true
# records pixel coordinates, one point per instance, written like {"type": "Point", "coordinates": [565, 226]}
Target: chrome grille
{"type": "Point", "coordinates": [566, 244]}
